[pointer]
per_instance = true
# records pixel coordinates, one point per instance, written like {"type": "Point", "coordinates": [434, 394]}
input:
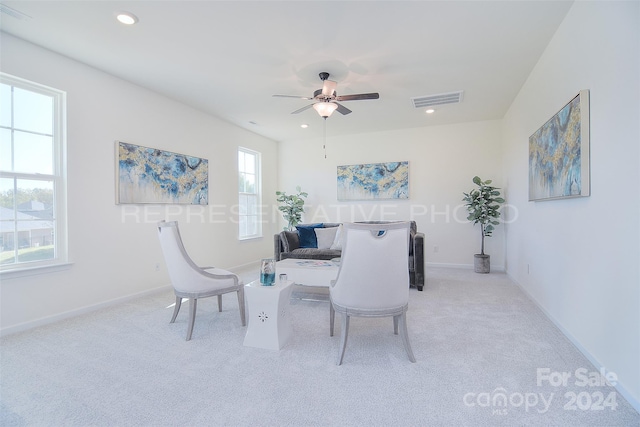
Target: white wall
{"type": "Point", "coordinates": [442, 162]}
{"type": "Point", "coordinates": [114, 248]}
{"type": "Point", "coordinates": [583, 254]}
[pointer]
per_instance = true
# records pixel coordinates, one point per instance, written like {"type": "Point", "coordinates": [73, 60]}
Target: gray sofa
{"type": "Point", "coordinates": [287, 245]}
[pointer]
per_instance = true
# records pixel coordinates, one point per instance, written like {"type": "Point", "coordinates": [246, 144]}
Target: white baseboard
{"type": "Point", "coordinates": [633, 401]}
{"type": "Point", "coordinates": [499, 268]}
{"type": "Point", "coordinates": [255, 265]}
{"type": "Point", "coordinates": [79, 311]}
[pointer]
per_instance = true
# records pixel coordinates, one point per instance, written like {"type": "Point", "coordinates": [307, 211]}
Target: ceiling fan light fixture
{"type": "Point", "coordinates": [325, 109]}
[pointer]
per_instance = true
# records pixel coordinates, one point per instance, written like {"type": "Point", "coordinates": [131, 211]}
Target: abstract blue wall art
{"type": "Point", "coordinates": [559, 153]}
{"type": "Point", "coordinates": [374, 181]}
{"type": "Point", "coordinates": [149, 175]}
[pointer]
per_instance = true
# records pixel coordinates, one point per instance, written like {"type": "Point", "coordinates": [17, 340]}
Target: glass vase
{"type": "Point", "coordinates": [268, 272]}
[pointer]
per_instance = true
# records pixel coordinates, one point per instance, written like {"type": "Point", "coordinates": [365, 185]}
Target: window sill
{"type": "Point", "coordinates": [33, 271]}
{"type": "Point", "coordinates": [249, 238]}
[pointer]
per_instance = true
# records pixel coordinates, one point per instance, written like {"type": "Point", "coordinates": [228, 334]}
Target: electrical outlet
{"type": "Point", "coordinates": [436, 249]}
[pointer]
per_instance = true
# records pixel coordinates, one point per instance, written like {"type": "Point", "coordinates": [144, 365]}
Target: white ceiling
{"type": "Point", "coordinates": [229, 58]}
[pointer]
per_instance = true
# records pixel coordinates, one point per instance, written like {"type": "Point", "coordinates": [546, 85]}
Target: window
{"type": "Point", "coordinates": [249, 212]}
{"type": "Point", "coordinates": [32, 175]}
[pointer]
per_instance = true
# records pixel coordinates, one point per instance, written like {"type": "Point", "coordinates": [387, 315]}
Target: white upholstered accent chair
{"type": "Point", "coordinates": [193, 282]}
{"type": "Point", "coordinates": [373, 279]}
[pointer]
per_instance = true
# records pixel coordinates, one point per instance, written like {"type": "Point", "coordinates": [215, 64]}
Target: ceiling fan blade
{"type": "Point", "coordinates": [358, 96]}
{"type": "Point", "coordinates": [292, 96]}
{"type": "Point", "coordinates": [342, 109]}
{"type": "Point", "coordinates": [302, 109]}
{"type": "Point", "coordinates": [329, 87]}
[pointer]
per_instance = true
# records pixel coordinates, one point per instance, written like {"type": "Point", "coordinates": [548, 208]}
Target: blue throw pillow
{"type": "Point", "coordinates": [307, 235]}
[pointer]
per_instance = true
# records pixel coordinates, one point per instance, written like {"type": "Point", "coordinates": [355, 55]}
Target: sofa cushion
{"type": "Point", "coordinates": [307, 235]}
{"type": "Point", "coordinates": [290, 240]}
{"type": "Point", "coordinates": [325, 237]}
{"type": "Point", "coordinates": [309, 253]}
{"type": "Point", "coordinates": [337, 240]}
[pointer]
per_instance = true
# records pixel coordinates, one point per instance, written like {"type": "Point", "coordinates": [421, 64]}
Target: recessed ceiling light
{"type": "Point", "coordinates": [430, 111]}
{"type": "Point", "coordinates": [126, 18]}
{"type": "Point", "coordinates": [304, 126]}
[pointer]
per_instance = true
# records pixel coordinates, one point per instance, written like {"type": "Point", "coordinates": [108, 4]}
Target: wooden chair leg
{"type": "Point", "coordinates": [343, 337]}
{"type": "Point", "coordinates": [176, 309]}
{"type": "Point", "coordinates": [405, 337]}
{"type": "Point", "coordinates": [220, 303]}
{"type": "Point", "coordinates": [241, 306]}
{"type": "Point", "coordinates": [193, 304]}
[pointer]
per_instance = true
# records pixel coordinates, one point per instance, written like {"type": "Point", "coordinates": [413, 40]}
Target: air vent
{"type": "Point", "coordinates": [12, 12]}
{"type": "Point", "coordinates": [440, 99]}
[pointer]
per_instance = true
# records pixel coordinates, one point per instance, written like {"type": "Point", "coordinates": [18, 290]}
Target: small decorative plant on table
{"type": "Point", "coordinates": [292, 207]}
{"type": "Point", "coordinates": [483, 204]}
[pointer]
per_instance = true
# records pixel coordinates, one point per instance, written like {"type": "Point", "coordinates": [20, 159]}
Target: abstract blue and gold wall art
{"type": "Point", "coordinates": [559, 153]}
{"type": "Point", "coordinates": [149, 175]}
{"type": "Point", "coordinates": [374, 181]}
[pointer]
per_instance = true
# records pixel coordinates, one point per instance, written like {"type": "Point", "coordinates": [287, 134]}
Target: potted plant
{"type": "Point", "coordinates": [292, 207]}
{"type": "Point", "coordinates": [483, 204]}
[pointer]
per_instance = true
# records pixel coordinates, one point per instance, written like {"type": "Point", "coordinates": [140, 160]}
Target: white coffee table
{"type": "Point", "coordinates": [308, 272]}
{"type": "Point", "coordinates": [268, 314]}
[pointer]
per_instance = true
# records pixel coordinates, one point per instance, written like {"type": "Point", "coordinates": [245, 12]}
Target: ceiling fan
{"type": "Point", "coordinates": [326, 98]}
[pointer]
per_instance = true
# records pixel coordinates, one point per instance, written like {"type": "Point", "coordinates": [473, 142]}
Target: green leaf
{"type": "Point", "coordinates": [483, 205]}
{"type": "Point", "coordinates": [291, 206]}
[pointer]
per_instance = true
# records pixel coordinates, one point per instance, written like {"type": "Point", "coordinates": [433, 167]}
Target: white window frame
{"type": "Point", "coordinates": [257, 215]}
{"type": "Point", "coordinates": [59, 178]}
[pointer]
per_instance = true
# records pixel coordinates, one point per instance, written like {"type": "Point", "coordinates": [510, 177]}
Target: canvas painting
{"type": "Point", "coordinates": [374, 181]}
{"type": "Point", "coordinates": [149, 175]}
{"type": "Point", "coordinates": [559, 153]}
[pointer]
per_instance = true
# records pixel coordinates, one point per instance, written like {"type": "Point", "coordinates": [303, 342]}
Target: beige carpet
{"type": "Point", "coordinates": [478, 341]}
